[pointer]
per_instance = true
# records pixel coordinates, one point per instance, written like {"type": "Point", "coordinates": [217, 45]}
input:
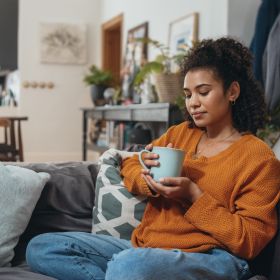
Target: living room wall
{"type": "Point", "coordinates": [216, 17]}
{"type": "Point", "coordinates": [54, 129]}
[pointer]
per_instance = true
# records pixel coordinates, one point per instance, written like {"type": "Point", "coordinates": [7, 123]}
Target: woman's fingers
{"type": "Point", "coordinates": [168, 191]}
{"type": "Point", "coordinates": [170, 145]}
{"type": "Point", "coordinates": [145, 171]}
{"type": "Point", "coordinates": [149, 147]}
{"type": "Point", "coordinates": [150, 159]}
{"type": "Point", "coordinates": [151, 162]}
{"type": "Point", "coordinates": [170, 181]}
{"type": "Point", "coordinates": [150, 156]}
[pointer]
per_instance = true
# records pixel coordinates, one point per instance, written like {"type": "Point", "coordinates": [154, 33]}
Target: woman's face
{"type": "Point", "coordinates": [206, 100]}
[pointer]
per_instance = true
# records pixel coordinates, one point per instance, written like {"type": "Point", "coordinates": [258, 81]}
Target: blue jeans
{"type": "Point", "coordinates": [85, 256]}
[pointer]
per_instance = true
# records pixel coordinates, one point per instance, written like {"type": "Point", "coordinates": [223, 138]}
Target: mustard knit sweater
{"type": "Point", "coordinates": [236, 211]}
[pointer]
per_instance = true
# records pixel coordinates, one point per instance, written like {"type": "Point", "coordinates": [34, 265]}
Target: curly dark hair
{"type": "Point", "coordinates": [231, 61]}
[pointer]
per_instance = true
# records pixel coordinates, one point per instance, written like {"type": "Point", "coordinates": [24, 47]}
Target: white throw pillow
{"type": "Point", "coordinates": [20, 189]}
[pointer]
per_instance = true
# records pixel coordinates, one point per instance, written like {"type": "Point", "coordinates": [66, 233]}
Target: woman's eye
{"type": "Point", "coordinates": [188, 96]}
{"type": "Point", "coordinates": [204, 92]}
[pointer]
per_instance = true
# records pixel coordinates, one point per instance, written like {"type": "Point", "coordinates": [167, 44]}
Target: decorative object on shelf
{"type": "Point", "coordinates": [183, 33]}
{"type": "Point", "coordinates": [148, 93]}
{"type": "Point", "coordinates": [135, 54]}
{"type": "Point", "coordinates": [271, 132]}
{"type": "Point", "coordinates": [140, 133]}
{"type": "Point", "coordinates": [9, 88]}
{"type": "Point", "coordinates": [109, 94]}
{"type": "Point", "coordinates": [63, 43]}
{"type": "Point", "coordinates": [99, 80]}
{"type": "Point", "coordinates": [168, 80]}
{"type": "Point", "coordinates": [169, 86]}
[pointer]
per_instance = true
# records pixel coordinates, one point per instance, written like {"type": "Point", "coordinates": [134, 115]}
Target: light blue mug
{"type": "Point", "coordinates": [170, 162]}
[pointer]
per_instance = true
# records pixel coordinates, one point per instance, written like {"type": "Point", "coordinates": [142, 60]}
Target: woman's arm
{"type": "Point", "coordinates": [251, 222]}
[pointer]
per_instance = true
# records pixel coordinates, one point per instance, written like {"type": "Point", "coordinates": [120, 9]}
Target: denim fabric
{"type": "Point", "coordinates": [84, 256]}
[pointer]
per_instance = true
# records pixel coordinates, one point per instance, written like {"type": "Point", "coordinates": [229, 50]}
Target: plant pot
{"type": "Point", "coordinates": [97, 94]}
{"type": "Point", "coordinates": [168, 86]}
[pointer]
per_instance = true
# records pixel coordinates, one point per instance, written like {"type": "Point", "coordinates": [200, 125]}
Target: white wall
{"type": "Point", "coordinates": [159, 14]}
{"type": "Point", "coordinates": [216, 17]}
{"type": "Point", "coordinates": [241, 19]}
{"type": "Point", "coordinates": [54, 129]}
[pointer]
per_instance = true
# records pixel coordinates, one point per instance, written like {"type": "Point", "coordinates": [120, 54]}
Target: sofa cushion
{"type": "Point", "coordinates": [116, 212]}
{"type": "Point", "coordinates": [21, 273]}
{"type": "Point", "coordinates": [267, 262]}
{"type": "Point", "coordinates": [65, 204]}
{"type": "Point", "coordinates": [20, 190]}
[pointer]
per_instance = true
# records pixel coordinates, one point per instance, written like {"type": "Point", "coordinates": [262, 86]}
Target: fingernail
{"type": "Point", "coordinates": [161, 180]}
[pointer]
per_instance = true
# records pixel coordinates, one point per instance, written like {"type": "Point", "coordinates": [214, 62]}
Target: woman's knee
{"type": "Point", "coordinates": [44, 247]}
{"type": "Point", "coordinates": [130, 264]}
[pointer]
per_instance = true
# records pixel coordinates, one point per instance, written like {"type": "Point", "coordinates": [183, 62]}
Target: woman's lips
{"type": "Point", "coordinates": [197, 115]}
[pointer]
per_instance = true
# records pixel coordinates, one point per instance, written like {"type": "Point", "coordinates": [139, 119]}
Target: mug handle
{"type": "Point", "coordinates": [140, 158]}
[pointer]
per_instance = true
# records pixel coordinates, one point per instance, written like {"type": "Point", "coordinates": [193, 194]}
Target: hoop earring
{"type": "Point", "coordinates": [232, 102]}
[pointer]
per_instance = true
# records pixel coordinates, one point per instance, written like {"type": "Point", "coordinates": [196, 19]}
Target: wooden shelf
{"type": "Point", "coordinates": [162, 115]}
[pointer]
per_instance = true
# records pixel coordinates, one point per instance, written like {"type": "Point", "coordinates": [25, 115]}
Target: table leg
{"type": "Point", "coordinates": [85, 126]}
{"type": "Point", "coordinates": [20, 146]}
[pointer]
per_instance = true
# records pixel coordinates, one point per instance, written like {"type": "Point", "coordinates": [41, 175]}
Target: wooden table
{"type": "Point", "coordinates": [19, 144]}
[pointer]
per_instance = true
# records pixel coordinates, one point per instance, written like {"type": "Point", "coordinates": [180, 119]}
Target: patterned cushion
{"type": "Point", "coordinates": [116, 212]}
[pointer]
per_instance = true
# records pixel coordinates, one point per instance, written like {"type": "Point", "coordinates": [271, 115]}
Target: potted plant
{"type": "Point", "coordinates": [165, 71]}
{"type": "Point", "coordinates": [271, 131]}
{"type": "Point", "coordinates": [98, 80]}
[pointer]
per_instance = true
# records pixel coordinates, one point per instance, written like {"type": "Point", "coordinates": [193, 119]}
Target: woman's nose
{"type": "Point", "coordinates": [194, 101]}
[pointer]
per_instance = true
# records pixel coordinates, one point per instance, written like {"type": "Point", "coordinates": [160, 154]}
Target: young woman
{"type": "Point", "coordinates": [207, 223]}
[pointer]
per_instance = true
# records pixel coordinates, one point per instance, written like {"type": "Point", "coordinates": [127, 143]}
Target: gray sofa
{"type": "Point", "coordinates": [66, 205]}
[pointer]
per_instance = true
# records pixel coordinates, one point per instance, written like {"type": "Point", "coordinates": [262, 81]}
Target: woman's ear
{"type": "Point", "coordinates": [233, 91]}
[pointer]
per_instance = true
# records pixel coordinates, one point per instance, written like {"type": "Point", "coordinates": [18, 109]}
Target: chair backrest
{"type": "Point", "coordinates": [8, 148]}
{"type": "Point", "coordinates": [5, 123]}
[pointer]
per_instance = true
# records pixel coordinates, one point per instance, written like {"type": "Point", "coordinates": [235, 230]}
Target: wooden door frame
{"type": "Point", "coordinates": [112, 24]}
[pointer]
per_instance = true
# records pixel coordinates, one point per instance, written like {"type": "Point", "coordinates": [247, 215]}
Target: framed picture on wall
{"type": "Point", "coordinates": [63, 43]}
{"type": "Point", "coordinates": [134, 49]}
{"type": "Point", "coordinates": [135, 53]}
{"type": "Point", "coordinates": [183, 32]}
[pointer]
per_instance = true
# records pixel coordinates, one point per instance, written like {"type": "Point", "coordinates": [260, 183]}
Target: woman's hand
{"type": "Point", "coordinates": [150, 159]}
{"type": "Point", "coordinates": [181, 189]}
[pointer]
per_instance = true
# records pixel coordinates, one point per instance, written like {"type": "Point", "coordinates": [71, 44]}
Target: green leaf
{"type": "Point", "coordinates": [147, 69]}
{"type": "Point", "coordinates": [97, 76]}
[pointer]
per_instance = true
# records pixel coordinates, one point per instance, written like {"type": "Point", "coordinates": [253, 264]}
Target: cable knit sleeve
{"type": "Point", "coordinates": [251, 221]}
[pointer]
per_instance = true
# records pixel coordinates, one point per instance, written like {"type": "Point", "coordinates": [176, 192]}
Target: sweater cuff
{"type": "Point", "coordinates": [147, 189]}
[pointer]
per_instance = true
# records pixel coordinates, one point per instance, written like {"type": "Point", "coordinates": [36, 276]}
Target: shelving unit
{"type": "Point", "coordinates": [159, 115]}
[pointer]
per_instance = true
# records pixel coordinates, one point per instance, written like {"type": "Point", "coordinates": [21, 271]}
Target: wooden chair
{"type": "Point", "coordinates": [8, 148]}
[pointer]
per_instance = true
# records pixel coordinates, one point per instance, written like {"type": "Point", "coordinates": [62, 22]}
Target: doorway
{"type": "Point", "coordinates": [112, 46]}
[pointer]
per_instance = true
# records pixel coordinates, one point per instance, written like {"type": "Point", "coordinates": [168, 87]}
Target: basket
{"type": "Point", "coordinates": [168, 86]}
